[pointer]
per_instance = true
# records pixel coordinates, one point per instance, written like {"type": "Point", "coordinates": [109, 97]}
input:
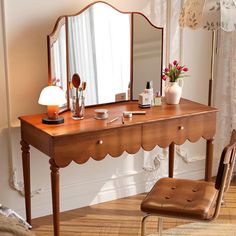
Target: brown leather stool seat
{"type": "Point", "coordinates": [180, 198]}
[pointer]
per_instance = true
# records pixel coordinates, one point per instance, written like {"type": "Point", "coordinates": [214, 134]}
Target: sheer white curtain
{"type": "Point", "coordinates": [225, 75]}
{"type": "Point", "coordinates": [225, 88]}
{"type": "Point", "coordinates": [112, 50]}
{"type": "Point", "coordinates": [81, 52]}
{"type": "Point", "coordinates": [99, 51]}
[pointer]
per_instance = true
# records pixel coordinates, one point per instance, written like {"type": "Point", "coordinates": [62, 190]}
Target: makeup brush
{"type": "Point", "coordinates": [76, 83]}
{"type": "Point", "coordinates": [83, 87]}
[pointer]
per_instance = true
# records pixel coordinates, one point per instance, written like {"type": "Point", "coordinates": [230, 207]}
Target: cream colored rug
{"type": "Point", "coordinates": [201, 229]}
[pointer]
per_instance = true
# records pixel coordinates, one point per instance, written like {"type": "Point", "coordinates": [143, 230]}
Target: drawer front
{"type": "Point", "coordinates": [178, 130]}
{"type": "Point", "coordinates": [80, 148]}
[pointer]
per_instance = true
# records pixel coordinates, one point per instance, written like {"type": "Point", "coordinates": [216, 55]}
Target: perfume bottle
{"type": "Point", "coordinates": [149, 88]}
{"type": "Point", "coordinates": [149, 91]}
{"type": "Point", "coordinates": [146, 98]}
{"type": "Point", "coordinates": [157, 99]}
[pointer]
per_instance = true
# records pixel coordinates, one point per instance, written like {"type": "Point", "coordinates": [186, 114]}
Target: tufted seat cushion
{"type": "Point", "coordinates": [189, 198]}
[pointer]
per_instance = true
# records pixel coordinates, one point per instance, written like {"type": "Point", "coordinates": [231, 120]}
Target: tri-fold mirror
{"type": "Point", "coordinates": [114, 52]}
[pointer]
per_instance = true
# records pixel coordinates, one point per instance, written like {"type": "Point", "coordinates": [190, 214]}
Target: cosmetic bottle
{"type": "Point", "coordinates": [149, 88]}
{"type": "Point", "coordinates": [144, 100]}
{"type": "Point", "coordinates": [149, 91]}
{"type": "Point", "coordinates": [157, 99]}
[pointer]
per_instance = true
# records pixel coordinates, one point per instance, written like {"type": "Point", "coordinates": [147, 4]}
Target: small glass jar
{"type": "Point", "coordinates": [77, 107]}
{"type": "Point", "coordinates": [101, 114]}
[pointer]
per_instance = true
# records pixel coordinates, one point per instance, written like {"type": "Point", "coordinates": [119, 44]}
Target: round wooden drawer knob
{"type": "Point", "coordinates": [100, 141]}
{"type": "Point", "coordinates": [181, 127]}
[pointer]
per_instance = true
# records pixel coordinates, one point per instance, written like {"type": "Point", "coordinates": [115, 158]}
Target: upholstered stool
{"type": "Point", "coordinates": [190, 199]}
{"type": "Point", "coordinates": [180, 198]}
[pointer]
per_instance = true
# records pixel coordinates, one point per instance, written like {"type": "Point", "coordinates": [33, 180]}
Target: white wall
{"type": "Point", "coordinates": [27, 24]}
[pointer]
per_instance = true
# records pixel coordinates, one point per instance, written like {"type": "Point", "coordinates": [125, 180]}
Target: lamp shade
{"type": "Point", "coordinates": [209, 14]}
{"type": "Point", "coordinates": [200, 14]}
{"type": "Point", "coordinates": [51, 96]}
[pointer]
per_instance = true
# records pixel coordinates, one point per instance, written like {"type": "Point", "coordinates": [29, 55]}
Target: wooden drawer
{"type": "Point", "coordinates": [97, 145]}
{"type": "Point", "coordinates": [178, 130]}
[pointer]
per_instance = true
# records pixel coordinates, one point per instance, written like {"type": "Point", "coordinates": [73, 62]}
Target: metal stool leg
{"type": "Point", "coordinates": [143, 226]}
{"type": "Point", "coordinates": [160, 223]}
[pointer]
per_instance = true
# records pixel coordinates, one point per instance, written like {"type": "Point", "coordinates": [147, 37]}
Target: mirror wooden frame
{"type": "Point", "coordinates": [52, 37]}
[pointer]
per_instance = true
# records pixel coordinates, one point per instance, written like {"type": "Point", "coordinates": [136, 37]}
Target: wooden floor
{"type": "Point", "coordinates": [120, 217]}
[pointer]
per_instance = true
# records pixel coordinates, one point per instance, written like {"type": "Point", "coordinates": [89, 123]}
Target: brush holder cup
{"type": "Point", "coordinates": [77, 107]}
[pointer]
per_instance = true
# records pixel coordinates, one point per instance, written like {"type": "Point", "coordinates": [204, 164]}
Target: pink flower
{"type": "Point", "coordinates": [164, 77]}
{"type": "Point", "coordinates": [174, 71]}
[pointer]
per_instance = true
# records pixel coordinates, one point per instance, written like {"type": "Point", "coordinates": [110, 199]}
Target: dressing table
{"type": "Point", "coordinates": [78, 141]}
{"type": "Point", "coordinates": [118, 66]}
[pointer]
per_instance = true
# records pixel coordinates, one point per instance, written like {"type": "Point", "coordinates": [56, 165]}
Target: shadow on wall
{"type": "Point", "coordinates": [4, 164]}
{"type": "Point", "coordinates": [8, 197]}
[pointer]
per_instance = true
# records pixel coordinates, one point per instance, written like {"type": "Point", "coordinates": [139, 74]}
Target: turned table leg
{"type": "Point", "coordinates": [26, 175]}
{"type": "Point", "coordinates": [209, 160]}
{"type": "Point", "coordinates": [171, 159]}
{"type": "Point", "coordinates": [55, 196]}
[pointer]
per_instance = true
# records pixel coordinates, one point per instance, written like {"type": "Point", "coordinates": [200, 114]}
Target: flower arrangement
{"type": "Point", "coordinates": [174, 71]}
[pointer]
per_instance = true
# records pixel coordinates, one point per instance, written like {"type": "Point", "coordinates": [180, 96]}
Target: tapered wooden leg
{"type": "Point", "coordinates": [26, 175]}
{"type": "Point", "coordinates": [171, 159]}
{"type": "Point", "coordinates": [209, 160]}
{"type": "Point", "coordinates": [55, 196]}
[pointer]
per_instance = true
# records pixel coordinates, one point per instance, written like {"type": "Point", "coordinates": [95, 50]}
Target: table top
{"type": "Point", "coordinates": [185, 108]}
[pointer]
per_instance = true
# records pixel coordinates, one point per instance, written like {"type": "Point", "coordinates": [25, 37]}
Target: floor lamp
{"type": "Point", "coordinates": [210, 88]}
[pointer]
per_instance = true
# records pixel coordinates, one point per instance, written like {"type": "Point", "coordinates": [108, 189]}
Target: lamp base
{"type": "Point", "coordinates": [59, 120]}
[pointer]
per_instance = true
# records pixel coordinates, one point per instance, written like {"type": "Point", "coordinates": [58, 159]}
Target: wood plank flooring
{"type": "Point", "coordinates": [120, 217]}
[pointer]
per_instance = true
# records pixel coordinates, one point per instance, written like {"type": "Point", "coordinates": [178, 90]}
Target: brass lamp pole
{"type": "Point", "coordinates": [210, 88]}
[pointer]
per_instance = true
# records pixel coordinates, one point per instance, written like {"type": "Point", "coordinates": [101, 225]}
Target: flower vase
{"type": "Point", "coordinates": [173, 93]}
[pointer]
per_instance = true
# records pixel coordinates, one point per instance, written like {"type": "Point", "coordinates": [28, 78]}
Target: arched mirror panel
{"type": "Point", "coordinates": [147, 55]}
{"type": "Point", "coordinates": [114, 52]}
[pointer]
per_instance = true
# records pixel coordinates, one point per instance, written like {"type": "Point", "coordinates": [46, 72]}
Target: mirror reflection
{"type": "Point", "coordinates": [147, 55]}
{"type": "Point", "coordinates": [99, 51]}
{"type": "Point", "coordinates": [114, 53]}
{"type": "Point", "coordinates": [58, 56]}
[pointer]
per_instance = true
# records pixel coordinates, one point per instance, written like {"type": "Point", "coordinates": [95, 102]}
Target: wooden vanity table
{"type": "Point", "coordinates": [77, 141]}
